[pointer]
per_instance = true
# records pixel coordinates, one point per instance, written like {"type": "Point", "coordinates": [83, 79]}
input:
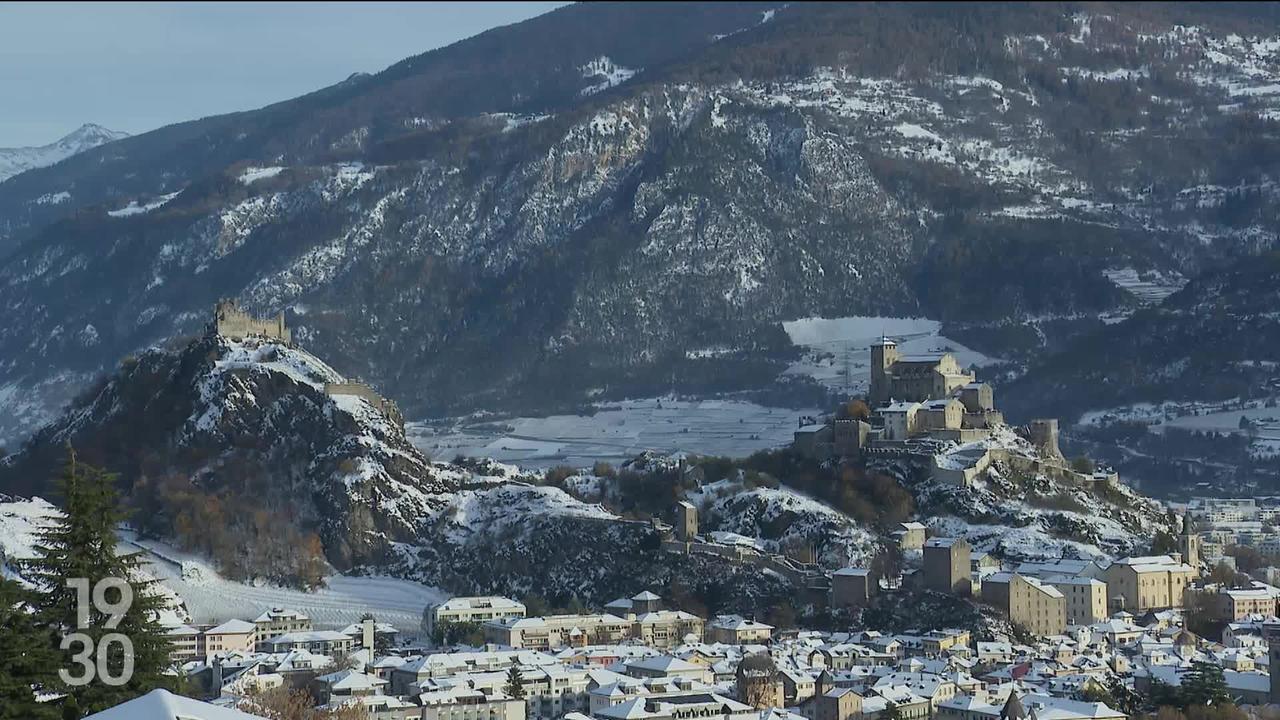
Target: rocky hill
{"type": "Point", "coordinates": [518, 220]}
{"type": "Point", "coordinates": [86, 137]}
{"type": "Point", "coordinates": [1020, 514]}
{"type": "Point", "coordinates": [235, 450]}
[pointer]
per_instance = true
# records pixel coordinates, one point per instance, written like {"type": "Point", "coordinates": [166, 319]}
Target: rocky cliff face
{"type": "Point", "coordinates": [597, 226]}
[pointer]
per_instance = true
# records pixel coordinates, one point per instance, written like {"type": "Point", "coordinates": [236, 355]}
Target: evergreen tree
{"type": "Point", "coordinates": [80, 547]}
{"type": "Point", "coordinates": [28, 662]}
{"type": "Point", "coordinates": [891, 711]}
{"type": "Point", "coordinates": [1204, 684]}
{"type": "Point", "coordinates": [515, 683]}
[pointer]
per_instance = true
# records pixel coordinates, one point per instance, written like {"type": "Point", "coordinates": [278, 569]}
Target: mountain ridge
{"type": "Point", "coordinates": [535, 251]}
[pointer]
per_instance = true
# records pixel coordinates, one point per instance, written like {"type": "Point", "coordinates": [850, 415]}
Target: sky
{"type": "Point", "coordinates": [139, 66]}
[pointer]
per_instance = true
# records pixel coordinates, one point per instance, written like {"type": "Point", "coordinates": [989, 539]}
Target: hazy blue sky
{"type": "Point", "coordinates": [138, 66]}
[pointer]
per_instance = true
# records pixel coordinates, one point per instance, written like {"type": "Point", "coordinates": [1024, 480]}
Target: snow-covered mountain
{"type": "Point", "coordinates": [22, 159]}
{"type": "Point", "coordinates": [475, 229]}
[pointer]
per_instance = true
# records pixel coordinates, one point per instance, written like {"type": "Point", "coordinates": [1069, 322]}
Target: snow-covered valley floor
{"type": "Point", "coordinates": [617, 432]}
{"type": "Point", "coordinates": [734, 428]}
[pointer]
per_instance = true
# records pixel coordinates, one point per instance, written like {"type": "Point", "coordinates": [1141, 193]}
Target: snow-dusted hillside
{"type": "Point", "coordinates": [783, 520]}
{"type": "Point", "coordinates": [1017, 513]}
{"type": "Point", "coordinates": [236, 455]}
{"type": "Point", "coordinates": [250, 423]}
{"type": "Point", "coordinates": [517, 539]}
{"type": "Point", "coordinates": [618, 243]}
{"type": "Point", "coordinates": [85, 137]}
{"type": "Point", "coordinates": [198, 593]}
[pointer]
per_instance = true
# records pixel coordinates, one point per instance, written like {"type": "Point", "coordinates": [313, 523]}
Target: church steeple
{"type": "Point", "coordinates": [1189, 543]}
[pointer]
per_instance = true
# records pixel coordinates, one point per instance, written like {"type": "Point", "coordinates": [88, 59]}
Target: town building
{"type": "Point", "coordinates": [1139, 584]}
{"type": "Point", "coordinates": [1039, 607]}
{"type": "Point", "coordinates": [324, 642]}
{"type": "Point", "coordinates": [1086, 598]}
{"type": "Point", "coordinates": [911, 535]}
{"type": "Point", "coordinates": [478, 609]}
{"type": "Point", "coordinates": [467, 704]}
{"type": "Point", "coordinates": [278, 621]}
{"type": "Point", "coordinates": [1219, 603]}
{"type": "Point", "coordinates": [851, 587]}
{"type": "Point", "coordinates": [837, 704]}
{"type": "Point", "coordinates": [737, 630]}
{"type": "Point", "coordinates": [758, 683]}
{"type": "Point", "coordinates": [231, 636]}
{"type": "Point", "coordinates": [946, 566]}
{"type": "Point", "coordinates": [686, 521]}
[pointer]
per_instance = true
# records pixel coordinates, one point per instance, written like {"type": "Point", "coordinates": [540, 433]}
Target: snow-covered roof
{"type": "Point", "coordinates": [355, 629]}
{"type": "Point", "coordinates": [233, 627]}
{"type": "Point", "coordinates": [481, 602]}
{"type": "Point", "coordinates": [852, 572]}
{"type": "Point", "coordinates": [164, 705]}
{"type": "Point", "coordinates": [280, 614]}
{"type": "Point", "coordinates": [662, 663]}
{"type": "Point", "coordinates": [351, 680]}
{"type": "Point", "coordinates": [307, 637]}
{"type": "Point", "coordinates": [645, 596]}
{"type": "Point", "coordinates": [899, 407]}
{"type": "Point", "coordinates": [1049, 590]}
{"type": "Point", "coordinates": [737, 622]}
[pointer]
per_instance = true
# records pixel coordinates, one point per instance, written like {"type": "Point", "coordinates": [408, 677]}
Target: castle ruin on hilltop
{"type": "Point", "coordinates": [925, 408]}
{"type": "Point", "coordinates": [364, 391]}
{"type": "Point", "coordinates": [230, 321]}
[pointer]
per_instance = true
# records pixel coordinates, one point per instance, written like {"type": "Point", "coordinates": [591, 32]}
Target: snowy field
{"type": "Point", "coordinates": [706, 427]}
{"type": "Point", "coordinates": [836, 343]}
{"type": "Point", "coordinates": [619, 432]}
{"type": "Point", "coordinates": [1218, 417]}
{"type": "Point", "coordinates": [1151, 288]}
{"type": "Point", "coordinates": [210, 598]}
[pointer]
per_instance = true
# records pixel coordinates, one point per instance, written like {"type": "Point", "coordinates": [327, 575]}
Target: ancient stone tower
{"type": "Point", "coordinates": [1043, 433]}
{"type": "Point", "coordinates": [231, 322]}
{"type": "Point", "coordinates": [883, 355]}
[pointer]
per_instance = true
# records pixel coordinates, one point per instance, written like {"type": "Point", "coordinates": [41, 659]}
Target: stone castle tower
{"type": "Point", "coordinates": [883, 355]}
{"type": "Point", "coordinates": [1043, 433]}
{"type": "Point", "coordinates": [231, 322]}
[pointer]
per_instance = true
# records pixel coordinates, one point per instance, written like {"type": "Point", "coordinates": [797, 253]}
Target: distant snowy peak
{"type": "Point", "coordinates": [85, 137]}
